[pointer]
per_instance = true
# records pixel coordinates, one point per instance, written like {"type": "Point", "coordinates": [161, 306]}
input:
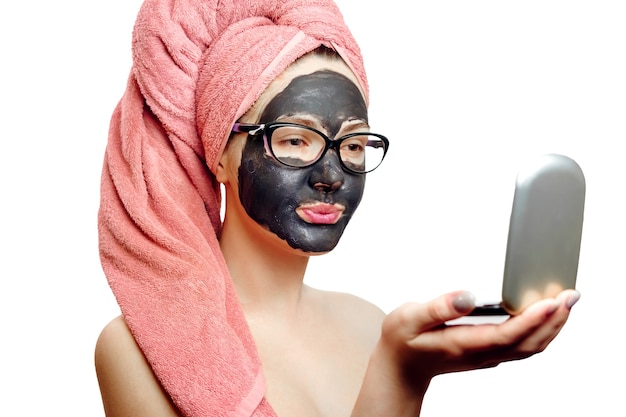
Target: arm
{"type": "Point", "coordinates": [416, 345]}
{"type": "Point", "coordinates": [127, 384]}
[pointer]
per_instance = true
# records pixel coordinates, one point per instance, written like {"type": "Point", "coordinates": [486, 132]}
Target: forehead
{"type": "Point", "coordinates": [305, 66]}
{"type": "Point", "coordinates": [331, 97]}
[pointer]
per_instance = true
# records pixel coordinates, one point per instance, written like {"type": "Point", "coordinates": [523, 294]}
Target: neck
{"type": "Point", "coordinates": [268, 276]}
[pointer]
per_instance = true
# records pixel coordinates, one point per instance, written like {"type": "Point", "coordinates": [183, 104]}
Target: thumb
{"type": "Point", "coordinates": [412, 319]}
{"type": "Point", "coordinates": [447, 307]}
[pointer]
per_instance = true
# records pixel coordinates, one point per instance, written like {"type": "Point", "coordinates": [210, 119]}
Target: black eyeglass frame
{"type": "Point", "coordinates": [266, 129]}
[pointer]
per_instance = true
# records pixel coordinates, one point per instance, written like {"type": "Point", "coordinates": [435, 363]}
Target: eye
{"type": "Point", "coordinates": [289, 140]}
{"type": "Point", "coordinates": [354, 145]}
{"type": "Point", "coordinates": [294, 141]}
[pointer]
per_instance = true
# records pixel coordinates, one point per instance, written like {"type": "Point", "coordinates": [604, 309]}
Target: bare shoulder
{"type": "Point", "coordinates": [352, 304]}
{"type": "Point", "coordinates": [354, 312]}
{"type": "Point", "coordinates": [127, 384]}
{"type": "Point", "coordinates": [115, 330]}
{"type": "Point", "coordinates": [116, 345]}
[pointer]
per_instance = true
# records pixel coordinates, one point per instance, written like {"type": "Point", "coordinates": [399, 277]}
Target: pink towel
{"type": "Point", "coordinates": [197, 67]}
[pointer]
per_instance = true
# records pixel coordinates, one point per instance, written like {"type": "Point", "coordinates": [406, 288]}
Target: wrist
{"type": "Point", "coordinates": [389, 388]}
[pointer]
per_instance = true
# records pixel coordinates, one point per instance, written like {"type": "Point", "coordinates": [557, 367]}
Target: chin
{"type": "Point", "coordinates": [317, 240]}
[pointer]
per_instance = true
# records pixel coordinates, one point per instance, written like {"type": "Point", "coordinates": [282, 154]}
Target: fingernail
{"type": "Point", "coordinates": [572, 299]}
{"type": "Point", "coordinates": [464, 302]}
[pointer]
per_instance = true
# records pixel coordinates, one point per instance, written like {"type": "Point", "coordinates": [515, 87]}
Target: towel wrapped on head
{"type": "Point", "coordinates": [197, 67]}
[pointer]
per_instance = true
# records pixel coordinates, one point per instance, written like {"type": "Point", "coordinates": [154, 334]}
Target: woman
{"type": "Point", "coordinates": [227, 327]}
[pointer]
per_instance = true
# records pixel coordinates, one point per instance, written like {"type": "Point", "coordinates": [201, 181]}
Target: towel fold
{"type": "Point", "coordinates": [197, 67]}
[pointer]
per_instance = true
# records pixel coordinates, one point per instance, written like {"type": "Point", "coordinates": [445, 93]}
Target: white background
{"type": "Point", "coordinates": [465, 90]}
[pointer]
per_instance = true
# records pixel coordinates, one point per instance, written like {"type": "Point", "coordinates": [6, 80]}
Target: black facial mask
{"type": "Point", "coordinates": [271, 192]}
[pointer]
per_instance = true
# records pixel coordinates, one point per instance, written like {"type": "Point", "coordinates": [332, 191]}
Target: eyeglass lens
{"type": "Point", "coordinates": [298, 146]}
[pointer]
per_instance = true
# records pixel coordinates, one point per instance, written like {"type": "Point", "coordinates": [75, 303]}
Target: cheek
{"type": "Point", "coordinates": [248, 178]}
{"type": "Point", "coordinates": [266, 186]}
{"type": "Point", "coordinates": [353, 192]}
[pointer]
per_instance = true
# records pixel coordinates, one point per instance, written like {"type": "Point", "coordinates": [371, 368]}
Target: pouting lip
{"type": "Point", "coordinates": [320, 213]}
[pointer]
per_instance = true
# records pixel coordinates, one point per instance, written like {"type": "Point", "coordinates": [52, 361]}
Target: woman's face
{"type": "Point", "coordinates": [307, 207]}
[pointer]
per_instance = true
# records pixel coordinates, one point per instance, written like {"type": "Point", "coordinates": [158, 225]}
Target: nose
{"type": "Point", "coordinates": [327, 174]}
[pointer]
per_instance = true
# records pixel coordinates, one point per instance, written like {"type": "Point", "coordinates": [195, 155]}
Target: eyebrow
{"type": "Point", "coordinates": [303, 119]}
{"type": "Point", "coordinates": [355, 124]}
{"type": "Point", "coordinates": [314, 122]}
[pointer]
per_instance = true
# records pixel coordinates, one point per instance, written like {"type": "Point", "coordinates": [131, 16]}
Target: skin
{"type": "Point", "coordinates": [277, 196]}
{"type": "Point", "coordinates": [327, 354]}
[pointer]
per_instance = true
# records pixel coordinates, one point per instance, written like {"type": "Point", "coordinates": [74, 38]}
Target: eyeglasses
{"type": "Point", "coordinates": [300, 146]}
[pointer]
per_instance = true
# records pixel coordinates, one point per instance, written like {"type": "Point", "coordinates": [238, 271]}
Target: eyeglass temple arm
{"type": "Point", "coordinates": [248, 128]}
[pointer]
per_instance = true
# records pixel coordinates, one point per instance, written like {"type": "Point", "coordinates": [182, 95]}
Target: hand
{"type": "Point", "coordinates": [416, 344]}
{"type": "Point", "coordinates": [424, 345]}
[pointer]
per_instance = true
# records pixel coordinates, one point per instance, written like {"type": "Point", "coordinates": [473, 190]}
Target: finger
{"type": "Point", "coordinates": [529, 333]}
{"type": "Point", "coordinates": [461, 339]}
{"type": "Point", "coordinates": [569, 298]}
{"type": "Point", "coordinates": [540, 339]}
{"type": "Point", "coordinates": [412, 319]}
